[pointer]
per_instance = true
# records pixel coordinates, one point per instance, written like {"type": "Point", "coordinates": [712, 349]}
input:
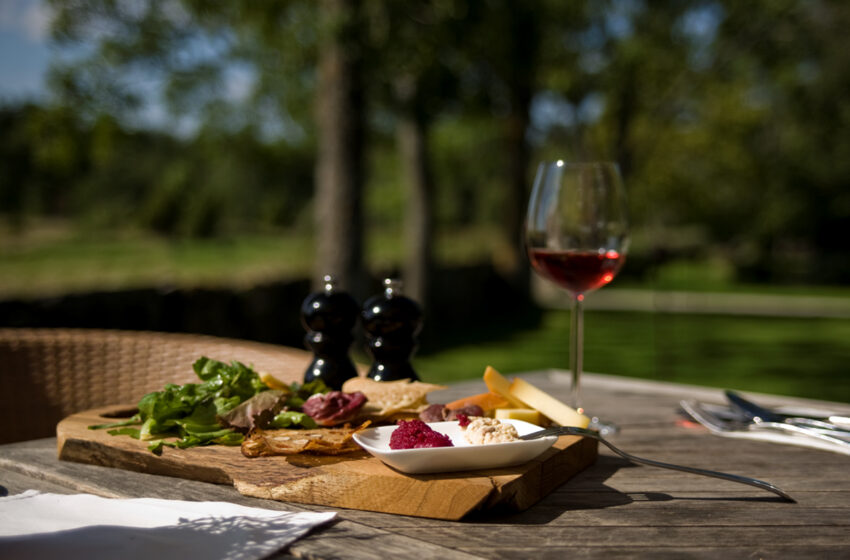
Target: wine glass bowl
{"type": "Point", "coordinates": [578, 272]}
{"type": "Point", "coordinates": [577, 235]}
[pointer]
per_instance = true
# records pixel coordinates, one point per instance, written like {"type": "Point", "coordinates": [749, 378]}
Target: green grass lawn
{"type": "Point", "coordinates": [120, 262]}
{"type": "Point", "coordinates": [803, 357]}
{"type": "Point", "coordinates": [53, 258]}
{"type": "Point", "coordinates": [799, 357]}
{"type": "Point", "coordinates": [50, 262]}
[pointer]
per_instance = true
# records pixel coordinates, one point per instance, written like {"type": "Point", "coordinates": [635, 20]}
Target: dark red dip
{"type": "Point", "coordinates": [415, 434]}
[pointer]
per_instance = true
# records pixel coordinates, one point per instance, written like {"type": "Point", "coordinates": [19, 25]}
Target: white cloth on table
{"type": "Point", "coordinates": [40, 525]}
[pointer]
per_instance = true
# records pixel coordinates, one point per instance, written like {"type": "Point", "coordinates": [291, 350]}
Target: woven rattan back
{"type": "Point", "coordinates": [48, 374]}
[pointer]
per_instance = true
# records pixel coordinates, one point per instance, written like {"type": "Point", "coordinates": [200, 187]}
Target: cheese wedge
{"type": "Point", "coordinates": [273, 382]}
{"type": "Point", "coordinates": [551, 407]}
{"type": "Point", "coordinates": [497, 383]}
{"type": "Point", "coordinates": [488, 402]}
{"type": "Point", "coordinates": [525, 414]}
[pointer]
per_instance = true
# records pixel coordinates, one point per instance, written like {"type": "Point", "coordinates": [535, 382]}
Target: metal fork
{"type": "Point", "coordinates": [572, 431]}
{"type": "Point", "coordinates": [718, 425]}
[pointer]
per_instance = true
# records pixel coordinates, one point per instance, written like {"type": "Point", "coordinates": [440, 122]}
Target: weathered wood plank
{"type": "Point", "coordinates": [355, 480]}
{"type": "Point", "coordinates": [473, 538]}
{"type": "Point", "coordinates": [12, 482]}
{"type": "Point", "coordinates": [613, 509]}
{"type": "Point", "coordinates": [33, 465]}
{"type": "Point", "coordinates": [697, 514]}
{"type": "Point", "coordinates": [661, 552]}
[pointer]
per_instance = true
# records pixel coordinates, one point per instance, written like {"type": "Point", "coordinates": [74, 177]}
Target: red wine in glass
{"type": "Point", "coordinates": [577, 271]}
{"type": "Point", "coordinates": [577, 237]}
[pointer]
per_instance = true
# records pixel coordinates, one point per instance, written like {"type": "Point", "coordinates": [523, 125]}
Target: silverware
{"type": "Point", "coordinates": [733, 419]}
{"type": "Point", "coordinates": [840, 420]}
{"type": "Point", "coordinates": [759, 414]}
{"type": "Point", "coordinates": [721, 426]}
{"type": "Point", "coordinates": [572, 431]}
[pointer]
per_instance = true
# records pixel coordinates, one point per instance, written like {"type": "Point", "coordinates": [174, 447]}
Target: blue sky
{"type": "Point", "coordinates": [24, 51]}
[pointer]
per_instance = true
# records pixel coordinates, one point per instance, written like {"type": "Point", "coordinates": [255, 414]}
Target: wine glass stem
{"type": "Point", "coordinates": [576, 347]}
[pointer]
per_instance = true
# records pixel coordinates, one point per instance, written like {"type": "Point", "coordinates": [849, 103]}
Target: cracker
{"type": "Point", "coordinates": [321, 441]}
{"type": "Point", "coordinates": [391, 398]}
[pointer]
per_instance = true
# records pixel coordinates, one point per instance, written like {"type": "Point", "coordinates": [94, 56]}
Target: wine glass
{"type": "Point", "coordinates": [577, 237]}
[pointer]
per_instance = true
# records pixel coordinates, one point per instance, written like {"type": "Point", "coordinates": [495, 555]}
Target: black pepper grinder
{"type": "Point", "coordinates": [391, 322]}
{"type": "Point", "coordinates": [329, 317]}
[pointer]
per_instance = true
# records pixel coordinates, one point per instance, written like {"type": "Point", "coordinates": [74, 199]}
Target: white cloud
{"type": "Point", "coordinates": [240, 81]}
{"type": "Point", "coordinates": [37, 20]}
{"type": "Point", "coordinates": [30, 18]}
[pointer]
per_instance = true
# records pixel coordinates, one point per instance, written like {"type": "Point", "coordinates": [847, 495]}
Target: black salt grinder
{"type": "Point", "coordinates": [391, 322]}
{"type": "Point", "coordinates": [329, 317]}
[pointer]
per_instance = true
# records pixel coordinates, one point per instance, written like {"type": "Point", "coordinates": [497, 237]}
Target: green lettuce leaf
{"type": "Point", "coordinates": [188, 415]}
{"type": "Point", "coordinates": [293, 419]}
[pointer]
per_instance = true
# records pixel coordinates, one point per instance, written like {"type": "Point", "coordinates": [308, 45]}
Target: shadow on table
{"type": "Point", "coordinates": [587, 490]}
{"type": "Point", "coordinates": [206, 537]}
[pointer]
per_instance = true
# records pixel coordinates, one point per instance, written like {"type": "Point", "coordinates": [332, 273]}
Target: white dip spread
{"type": "Point", "coordinates": [483, 430]}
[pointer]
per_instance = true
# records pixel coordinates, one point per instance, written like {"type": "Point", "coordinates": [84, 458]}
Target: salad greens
{"type": "Point", "coordinates": [293, 419]}
{"type": "Point", "coordinates": [300, 393]}
{"type": "Point", "coordinates": [192, 413]}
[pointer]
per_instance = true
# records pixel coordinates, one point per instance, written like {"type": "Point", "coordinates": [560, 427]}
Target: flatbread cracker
{"type": "Point", "coordinates": [321, 441]}
{"type": "Point", "coordinates": [391, 399]}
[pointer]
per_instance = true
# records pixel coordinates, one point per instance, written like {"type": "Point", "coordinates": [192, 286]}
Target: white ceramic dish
{"type": "Point", "coordinates": [462, 457]}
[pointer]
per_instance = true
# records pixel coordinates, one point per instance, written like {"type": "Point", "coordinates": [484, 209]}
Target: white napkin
{"type": "Point", "coordinates": [40, 526]}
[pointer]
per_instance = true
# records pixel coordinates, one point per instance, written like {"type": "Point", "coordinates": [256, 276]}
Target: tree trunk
{"type": "Point", "coordinates": [523, 62]}
{"type": "Point", "coordinates": [339, 163]}
{"type": "Point", "coordinates": [518, 155]}
{"type": "Point", "coordinates": [624, 114]}
{"type": "Point", "coordinates": [412, 136]}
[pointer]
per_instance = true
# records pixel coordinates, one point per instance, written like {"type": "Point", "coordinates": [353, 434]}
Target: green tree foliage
{"type": "Point", "coordinates": [728, 119]}
{"type": "Point", "coordinates": [415, 78]}
{"type": "Point", "coordinates": [52, 163]}
{"type": "Point", "coordinates": [737, 129]}
{"type": "Point", "coordinates": [40, 154]}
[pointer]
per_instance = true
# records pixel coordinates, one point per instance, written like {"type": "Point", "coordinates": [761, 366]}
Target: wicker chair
{"type": "Point", "coordinates": [48, 374]}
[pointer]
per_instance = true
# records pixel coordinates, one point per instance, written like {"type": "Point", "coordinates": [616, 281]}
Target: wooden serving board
{"type": "Point", "coordinates": [355, 481]}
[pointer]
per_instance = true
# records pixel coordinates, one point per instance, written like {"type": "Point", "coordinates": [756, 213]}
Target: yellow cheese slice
{"type": "Point", "coordinates": [497, 383]}
{"type": "Point", "coordinates": [551, 407]}
{"type": "Point", "coordinates": [525, 414]}
{"type": "Point", "coordinates": [273, 382]}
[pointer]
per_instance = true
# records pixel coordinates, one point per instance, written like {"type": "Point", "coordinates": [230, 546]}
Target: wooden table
{"type": "Point", "coordinates": [612, 509]}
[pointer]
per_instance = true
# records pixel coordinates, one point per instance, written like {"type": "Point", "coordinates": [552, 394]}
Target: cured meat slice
{"type": "Point", "coordinates": [333, 408]}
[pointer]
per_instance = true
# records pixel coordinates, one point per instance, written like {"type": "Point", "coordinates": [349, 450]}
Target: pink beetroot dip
{"type": "Point", "coordinates": [415, 434]}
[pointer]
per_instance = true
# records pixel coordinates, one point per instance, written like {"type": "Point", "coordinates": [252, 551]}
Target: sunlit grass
{"type": "Point", "coordinates": [800, 357]}
{"type": "Point", "coordinates": [793, 356]}
{"type": "Point", "coordinates": [54, 259]}
{"type": "Point", "coordinates": [716, 275]}
{"type": "Point", "coordinates": [385, 247]}
{"type": "Point", "coordinates": [44, 264]}
{"type": "Point", "coordinates": [110, 263]}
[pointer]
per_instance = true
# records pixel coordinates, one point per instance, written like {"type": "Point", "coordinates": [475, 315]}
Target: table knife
{"type": "Point", "coordinates": [758, 413]}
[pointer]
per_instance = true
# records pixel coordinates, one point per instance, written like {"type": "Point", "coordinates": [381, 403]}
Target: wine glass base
{"type": "Point", "coordinates": [604, 428]}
